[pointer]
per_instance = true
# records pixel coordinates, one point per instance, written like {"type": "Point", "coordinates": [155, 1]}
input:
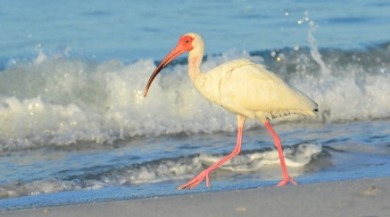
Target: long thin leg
{"type": "Point", "coordinates": [205, 173]}
{"type": "Point", "coordinates": [286, 177]}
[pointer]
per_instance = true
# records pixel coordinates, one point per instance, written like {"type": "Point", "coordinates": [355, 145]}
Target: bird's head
{"type": "Point", "coordinates": [186, 43]}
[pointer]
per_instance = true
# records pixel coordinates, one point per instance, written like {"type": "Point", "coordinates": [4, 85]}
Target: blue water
{"type": "Point", "coordinates": [75, 127]}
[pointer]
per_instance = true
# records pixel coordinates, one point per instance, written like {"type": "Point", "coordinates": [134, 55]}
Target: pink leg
{"type": "Point", "coordinates": [286, 178]}
{"type": "Point", "coordinates": [205, 173]}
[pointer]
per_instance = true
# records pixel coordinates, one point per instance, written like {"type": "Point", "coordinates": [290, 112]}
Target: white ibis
{"type": "Point", "coordinates": [244, 88]}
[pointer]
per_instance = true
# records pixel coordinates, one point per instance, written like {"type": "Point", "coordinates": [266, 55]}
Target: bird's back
{"type": "Point", "coordinates": [249, 89]}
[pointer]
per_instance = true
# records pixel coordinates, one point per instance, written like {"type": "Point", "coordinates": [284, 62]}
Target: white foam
{"type": "Point", "coordinates": [59, 101]}
{"type": "Point", "coordinates": [298, 156]}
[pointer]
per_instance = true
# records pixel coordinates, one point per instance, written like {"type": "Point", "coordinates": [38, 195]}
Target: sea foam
{"type": "Point", "coordinates": [59, 100]}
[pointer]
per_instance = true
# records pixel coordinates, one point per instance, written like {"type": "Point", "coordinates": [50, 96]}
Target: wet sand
{"type": "Point", "coordinates": [365, 198]}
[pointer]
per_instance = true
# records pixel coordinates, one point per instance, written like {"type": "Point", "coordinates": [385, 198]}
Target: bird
{"type": "Point", "coordinates": [244, 88]}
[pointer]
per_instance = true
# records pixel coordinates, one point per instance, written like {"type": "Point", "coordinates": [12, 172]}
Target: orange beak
{"type": "Point", "coordinates": [175, 52]}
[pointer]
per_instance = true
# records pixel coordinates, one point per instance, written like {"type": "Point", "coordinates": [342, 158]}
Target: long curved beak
{"type": "Point", "coordinates": [175, 52]}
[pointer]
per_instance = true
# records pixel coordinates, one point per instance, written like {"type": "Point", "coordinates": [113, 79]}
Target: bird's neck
{"type": "Point", "coordinates": [194, 61]}
{"type": "Point", "coordinates": [198, 78]}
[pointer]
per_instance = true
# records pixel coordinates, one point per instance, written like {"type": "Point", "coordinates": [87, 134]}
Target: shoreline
{"type": "Point", "coordinates": [367, 197]}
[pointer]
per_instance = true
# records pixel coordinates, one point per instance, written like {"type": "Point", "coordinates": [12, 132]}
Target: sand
{"type": "Point", "coordinates": [361, 198]}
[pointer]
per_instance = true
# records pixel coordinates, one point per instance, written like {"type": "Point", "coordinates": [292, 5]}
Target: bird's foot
{"type": "Point", "coordinates": [196, 181]}
{"type": "Point", "coordinates": [286, 180]}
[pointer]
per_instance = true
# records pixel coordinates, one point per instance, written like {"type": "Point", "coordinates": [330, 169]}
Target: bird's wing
{"type": "Point", "coordinates": [248, 87]}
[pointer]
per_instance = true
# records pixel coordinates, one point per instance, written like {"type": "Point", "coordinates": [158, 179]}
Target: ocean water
{"type": "Point", "coordinates": [75, 128]}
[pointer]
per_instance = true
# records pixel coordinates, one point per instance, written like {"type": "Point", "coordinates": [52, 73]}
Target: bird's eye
{"type": "Point", "coordinates": [187, 40]}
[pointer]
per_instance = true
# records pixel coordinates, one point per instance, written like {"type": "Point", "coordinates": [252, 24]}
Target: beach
{"type": "Point", "coordinates": [366, 197]}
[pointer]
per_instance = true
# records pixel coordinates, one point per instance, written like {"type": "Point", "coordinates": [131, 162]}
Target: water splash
{"type": "Point", "coordinates": [314, 52]}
